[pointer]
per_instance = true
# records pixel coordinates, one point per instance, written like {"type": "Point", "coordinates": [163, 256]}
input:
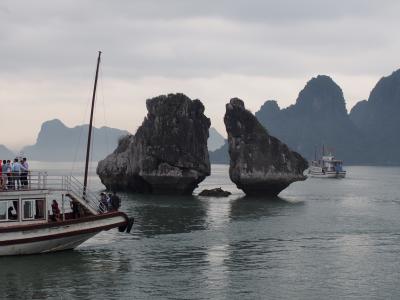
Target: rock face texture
{"type": "Point", "coordinates": [259, 163]}
{"type": "Point", "coordinates": [167, 155]}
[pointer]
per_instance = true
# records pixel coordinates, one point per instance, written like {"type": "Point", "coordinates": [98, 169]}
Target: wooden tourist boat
{"type": "Point", "coordinates": [29, 224]}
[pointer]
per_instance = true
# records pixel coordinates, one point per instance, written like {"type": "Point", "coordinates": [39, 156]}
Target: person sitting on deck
{"type": "Point", "coordinates": [55, 210]}
{"type": "Point", "coordinates": [12, 216]}
{"type": "Point", "coordinates": [115, 201]}
{"type": "Point", "coordinates": [103, 207]}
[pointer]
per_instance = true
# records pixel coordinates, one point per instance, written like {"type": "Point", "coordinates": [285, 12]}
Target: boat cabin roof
{"type": "Point", "coordinates": [331, 158]}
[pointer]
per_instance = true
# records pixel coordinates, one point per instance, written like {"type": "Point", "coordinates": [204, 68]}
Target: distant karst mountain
{"type": "Point", "coordinates": [6, 153]}
{"type": "Point", "coordinates": [220, 155]}
{"type": "Point", "coordinates": [57, 142]}
{"type": "Point", "coordinates": [215, 139]}
{"type": "Point", "coordinates": [319, 117]}
{"type": "Point", "coordinates": [368, 135]}
{"type": "Point", "coordinates": [378, 118]}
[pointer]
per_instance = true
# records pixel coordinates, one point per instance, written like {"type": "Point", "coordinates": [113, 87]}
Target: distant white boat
{"type": "Point", "coordinates": [327, 167]}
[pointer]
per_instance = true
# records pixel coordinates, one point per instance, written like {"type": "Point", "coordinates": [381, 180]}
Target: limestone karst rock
{"type": "Point", "coordinates": [167, 155]}
{"type": "Point", "coordinates": [260, 164]}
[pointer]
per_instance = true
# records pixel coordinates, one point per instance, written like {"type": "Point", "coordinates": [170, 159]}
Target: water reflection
{"type": "Point", "coordinates": [341, 242]}
{"type": "Point", "coordinates": [59, 274]}
{"type": "Point", "coordinates": [257, 207]}
{"type": "Point", "coordinates": [166, 214]}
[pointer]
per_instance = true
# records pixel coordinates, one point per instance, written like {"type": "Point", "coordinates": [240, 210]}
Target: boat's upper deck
{"type": "Point", "coordinates": [27, 199]}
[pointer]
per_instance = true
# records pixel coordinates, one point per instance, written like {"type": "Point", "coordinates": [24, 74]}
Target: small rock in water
{"type": "Point", "coordinates": [217, 192]}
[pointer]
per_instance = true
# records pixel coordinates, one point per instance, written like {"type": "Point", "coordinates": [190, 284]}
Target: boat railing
{"type": "Point", "coordinates": [67, 184]}
{"type": "Point", "coordinates": [79, 191]}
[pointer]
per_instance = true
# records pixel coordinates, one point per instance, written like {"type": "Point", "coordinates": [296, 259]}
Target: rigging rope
{"type": "Point", "coordinates": [79, 141]}
{"type": "Point", "coordinates": [104, 111]}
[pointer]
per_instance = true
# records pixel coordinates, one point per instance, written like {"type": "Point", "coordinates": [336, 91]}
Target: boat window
{"type": "Point", "coordinates": [3, 210]}
{"type": "Point", "coordinates": [34, 209]}
{"type": "Point", "coordinates": [9, 210]}
{"type": "Point", "coordinates": [39, 209]}
{"type": "Point", "coordinates": [27, 206]}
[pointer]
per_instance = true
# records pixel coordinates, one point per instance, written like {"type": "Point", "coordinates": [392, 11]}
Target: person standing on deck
{"type": "Point", "coordinates": [4, 173]}
{"type": "Point", "coordinates": [1, 176]}
{"type": "Point", "coordinates": [16, 173]}
{"type": "Point", "coordinates": [24, 172]}
{"type": "Point", "coordinates": [109, 205]}
{"type": "Point", "coordinates": [10, 182]}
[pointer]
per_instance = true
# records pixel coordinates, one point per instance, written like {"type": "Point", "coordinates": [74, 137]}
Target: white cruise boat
{"type": "Point", "coordinates": [327, 167]}
{"type": "Point", "coordinates": [28, 227]}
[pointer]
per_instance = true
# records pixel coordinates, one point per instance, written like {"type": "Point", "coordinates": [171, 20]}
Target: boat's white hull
{"type": "Point", "coordinates": [328, 174]}
{"type": "Point", "coordinates": [65, 235]}
{"type": "Point", "coordinates": [53, 245]}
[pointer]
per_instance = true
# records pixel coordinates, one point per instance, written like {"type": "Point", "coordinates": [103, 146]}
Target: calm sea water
{"type": "Point", "coordinates": [320, 239]}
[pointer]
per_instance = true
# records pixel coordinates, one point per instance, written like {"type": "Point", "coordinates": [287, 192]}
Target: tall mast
{"type": "Point", "coordinates": [90, 127]}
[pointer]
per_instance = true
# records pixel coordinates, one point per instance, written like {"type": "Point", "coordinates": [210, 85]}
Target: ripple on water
{"type": "Point", "coordinates": [320, 239]}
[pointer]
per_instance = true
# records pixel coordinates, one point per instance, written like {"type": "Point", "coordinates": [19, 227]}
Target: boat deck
{"type": "Point", "coordinates": [30, 202]}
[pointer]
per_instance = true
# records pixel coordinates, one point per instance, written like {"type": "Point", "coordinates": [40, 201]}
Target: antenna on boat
{"type": "Point", "coordinates": [90, 127]}
{"type": "Point", "coordinates": [315, 153]}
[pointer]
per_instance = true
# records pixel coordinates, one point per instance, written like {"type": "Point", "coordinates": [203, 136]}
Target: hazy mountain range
{"type": "Point", "coordinates": [57, 142]}
{"type": "Point", "coordinates": [5, 153]}
{"type": "Point", "coordinates": [367, 135]}
{"type": "Point", "coordinates": [215, 139]}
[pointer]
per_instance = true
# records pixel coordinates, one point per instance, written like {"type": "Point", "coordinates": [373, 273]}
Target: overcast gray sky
{"type": "Point", "coordinates": [210, 50]}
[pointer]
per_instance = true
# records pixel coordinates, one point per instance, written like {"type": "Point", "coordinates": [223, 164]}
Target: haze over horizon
{"type": "Point", "coordinates": [213, 51]}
